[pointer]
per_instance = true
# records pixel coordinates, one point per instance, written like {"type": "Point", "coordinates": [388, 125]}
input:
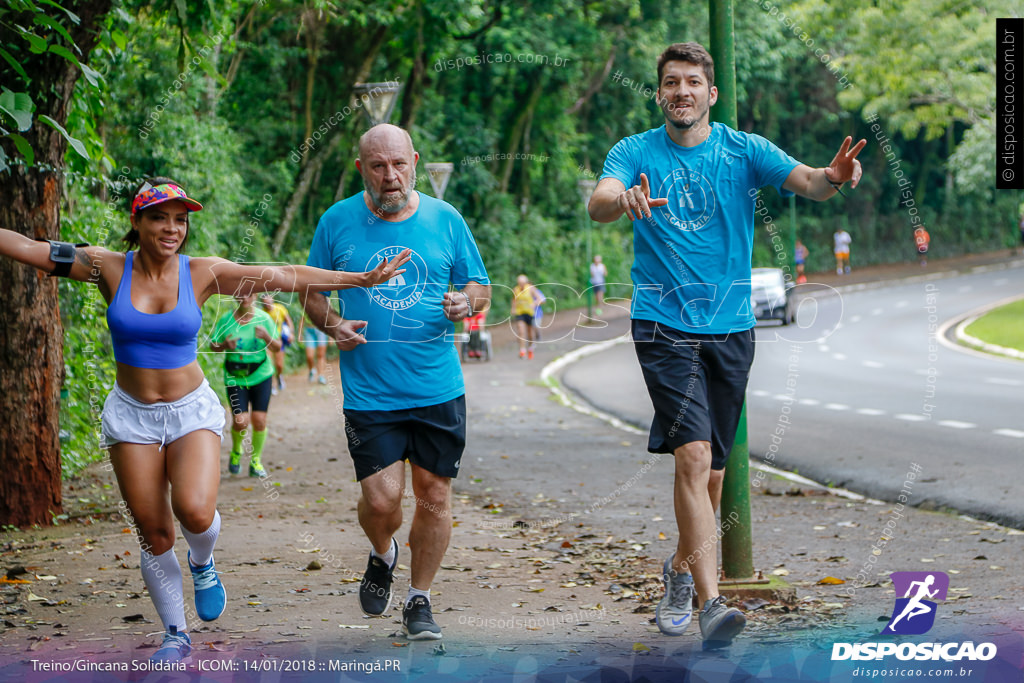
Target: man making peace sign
{"type": "Point", "coordinates": [689, 188]}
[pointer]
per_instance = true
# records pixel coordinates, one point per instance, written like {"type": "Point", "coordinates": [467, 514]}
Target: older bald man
{"type": "Point", "coordinates": [404, 392]}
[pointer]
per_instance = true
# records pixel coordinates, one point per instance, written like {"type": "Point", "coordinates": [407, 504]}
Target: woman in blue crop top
{"type": "Point", "coordinates": [162, 422]}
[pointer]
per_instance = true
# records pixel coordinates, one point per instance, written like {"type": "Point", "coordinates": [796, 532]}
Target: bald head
{"type": "Point", "coordinates": [385, 136]}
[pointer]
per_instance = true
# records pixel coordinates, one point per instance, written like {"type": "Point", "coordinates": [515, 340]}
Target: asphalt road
{"type": "Point", "coordinates": [861, 389]}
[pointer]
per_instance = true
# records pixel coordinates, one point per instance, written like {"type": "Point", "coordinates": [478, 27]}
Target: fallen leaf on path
{"type": "Point", "coordinates": [353, 626]}
{"type": "Point", "coordinates": [400, 644]}
{"type": "Point", "coordinates": [830, 581]}
{"type": "Point", "coordinates": [640, 647]}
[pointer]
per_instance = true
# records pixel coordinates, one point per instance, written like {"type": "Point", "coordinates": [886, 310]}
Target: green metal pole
{"type": "Point", "coordinates": [737, 546]}
{"type": "Point", "coordinates": [792, 236]}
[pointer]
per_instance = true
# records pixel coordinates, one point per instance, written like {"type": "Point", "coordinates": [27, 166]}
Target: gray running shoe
{"type": "Point", "coordinates": [675, 610]}
{"type": "Point", "coordinates": [418, 620]}
{"type": "Point", "coordinates": [719, 623]}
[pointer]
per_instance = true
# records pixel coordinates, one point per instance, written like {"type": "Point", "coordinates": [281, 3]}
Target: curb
{"type": "Point", "coordinates": [971, 341]}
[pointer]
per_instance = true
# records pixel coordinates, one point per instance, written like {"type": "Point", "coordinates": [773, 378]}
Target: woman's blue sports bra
{"type": "Point", "coordinates": [160, 341]}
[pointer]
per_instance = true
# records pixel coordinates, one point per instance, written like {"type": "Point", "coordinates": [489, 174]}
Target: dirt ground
{"type": "Point", "coordinates": [529, 584]}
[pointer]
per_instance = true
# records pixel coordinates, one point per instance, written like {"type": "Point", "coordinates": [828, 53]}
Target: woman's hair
{"type": "Point", "coordinates": [131, 238]}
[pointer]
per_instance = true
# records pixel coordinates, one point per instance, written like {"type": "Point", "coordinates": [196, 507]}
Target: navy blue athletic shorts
{"type": "Point", "coordinates": [697, 383]}
{"type": "Point", "coordinates": [258, 395]}
{"type": "Point", "coordinates": [432, 437]}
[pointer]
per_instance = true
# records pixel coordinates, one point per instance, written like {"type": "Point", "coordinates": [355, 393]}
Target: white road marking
{"type": "Point", "coordinates": [955, 424]}
{"type": "Point", "coordinates": [902, 304]}
{"type": "Point", "coordinates": [808, 402]}
{"type": "Point", "coordinates": [870, 411]}
{"type": "Point", "coordinates": [855, 319]}
{"type": "Point", "coordinates": [836, 406]}
{"type": "Point", "coordinates": [1004, 381]}
{"type": "Point", "coordinates": [760, 392]}
{"type": "Point", "coordinates": [839, 356]}
{"type": "Point", "coordinates": [823, 347]}
{"type": "Point", "coordinates": [965, 288]}
{"type": "Point", "coordinates": [927, 371]}
{"type": "Point", "coordinates": [1015, 433]}
{"type": "Point", "coordinates": [782, 397]}
{"type": "Point", "coordinates": [872, 364]}
{"type": "Point", "coordinates": [878, 311]}
{"type": "Point", "coordinates": [910, 418]}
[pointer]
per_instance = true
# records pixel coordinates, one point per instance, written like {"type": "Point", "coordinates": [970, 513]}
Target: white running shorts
{"type": "Point", "coordinates": [129, 420]}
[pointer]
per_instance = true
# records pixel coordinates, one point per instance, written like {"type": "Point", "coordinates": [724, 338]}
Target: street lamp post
{"type": "Point", "coordinates": [378, 99]}
{"type": "Point", "coordinates": [586, 188]}
{"type": "Point", "coordinates": [440, 172]}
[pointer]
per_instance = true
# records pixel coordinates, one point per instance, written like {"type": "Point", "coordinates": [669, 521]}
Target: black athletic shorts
{"type": "Point", "coordinates": [697, 383]}
{"type": "Point", "coordinates": [431, 437]}
{"type": "Point", "coordinates": [258, 395]}
{"type": "Point", "coordinates": [525, 318]}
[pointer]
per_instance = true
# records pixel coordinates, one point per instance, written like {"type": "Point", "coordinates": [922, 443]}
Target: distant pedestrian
{"type": "Point", "coordinates": [598, 276]}
{"type": "Point", "coordinates": [1022, 234]}
{"type": "Point", "coordinates": [689, 188]}
{"type": "Point", "coordinates": [525, 300]}
{"type": "Point", "coordinates": [921, 240]}
{"type": "Point", "coordinates": [248, 336]}
{"type": "Point", "coordinates": [842, 240]}
{"type": "Point", "coordinates": [315, 342]}
{"type": "Point", "coordinates": [285, 330]}
{"type": "Point", "coordinates": [538, 314]}
{"type": "Point", "coordinates": [800, 254]}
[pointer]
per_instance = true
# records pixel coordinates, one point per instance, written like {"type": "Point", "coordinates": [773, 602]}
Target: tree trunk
{"type": "Point", "coordinates": [31, 335]}
{"type": "Point", "coordinates": [516, 135]}
{"type": "Point", "coordinates": [306, 176]}
{"type": "Point", "coordinates": [414, 87]}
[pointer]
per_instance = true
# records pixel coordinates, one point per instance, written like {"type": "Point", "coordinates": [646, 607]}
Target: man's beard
{"type": "Point", "coordinates": [392, 205]}
{"type": "Point", "coordinates": [697, 117]}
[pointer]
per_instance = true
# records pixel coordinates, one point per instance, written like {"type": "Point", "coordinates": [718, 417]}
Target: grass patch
{"type": "Point", "coordinates": [1003, 326]}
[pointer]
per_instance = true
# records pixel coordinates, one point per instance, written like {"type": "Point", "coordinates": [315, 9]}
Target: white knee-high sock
{"type": "Point", "coordinates": [201, 544]}
{"type": "Point", "coordinates": [162, 575]}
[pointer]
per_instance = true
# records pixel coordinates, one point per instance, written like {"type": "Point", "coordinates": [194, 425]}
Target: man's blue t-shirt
{"type": "Point", "coordinates": [691, 267]}
{"type": "Point", "coordinates": [409, 360]}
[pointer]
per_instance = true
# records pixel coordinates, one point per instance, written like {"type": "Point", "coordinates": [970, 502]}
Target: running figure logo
{"type": "Point", "coordinates": [914, 613]}
{"type": "Point", "coordinates": [691, 200]}
{"type": "Point", "coordinates": [404, 290]}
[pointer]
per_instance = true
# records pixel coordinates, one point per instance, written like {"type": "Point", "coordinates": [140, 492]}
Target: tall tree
{"type": "Point", "coordinates": [44, 55]}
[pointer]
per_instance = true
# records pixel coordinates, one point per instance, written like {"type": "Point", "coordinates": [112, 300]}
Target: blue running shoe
{"type": "Point", "coordinates": [211, 599]}
{"type": "Point", "coordinates": [675, 610]}
{"type": "Point", "coordinates": [176, 648]}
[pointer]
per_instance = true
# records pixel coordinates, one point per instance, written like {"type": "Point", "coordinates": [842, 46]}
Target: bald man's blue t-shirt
{"type": "Point", "coordinates": [691, 268]}
{"type": "Point", "coordinates": [409, 360]}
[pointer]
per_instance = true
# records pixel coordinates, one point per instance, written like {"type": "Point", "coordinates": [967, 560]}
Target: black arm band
{"type": "Point", "coordinates": [63, 255]}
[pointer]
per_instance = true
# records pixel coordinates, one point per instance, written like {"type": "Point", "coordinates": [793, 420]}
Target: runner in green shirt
{"type": "Point", "coordinates": [246, 334]}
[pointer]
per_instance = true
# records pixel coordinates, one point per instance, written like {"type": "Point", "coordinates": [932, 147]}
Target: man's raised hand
{"type": "Point", "coordinates": [845, 166]}
{"type": "Point", "coordinates": [636, 201]}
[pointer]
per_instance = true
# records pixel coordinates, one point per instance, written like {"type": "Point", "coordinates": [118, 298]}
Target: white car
{"type": "Point", "coordinates": [770, 295]}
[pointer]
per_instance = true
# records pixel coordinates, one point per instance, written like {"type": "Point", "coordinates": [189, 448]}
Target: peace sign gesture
{"type": "Point", "coordinates": [845, 166]}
